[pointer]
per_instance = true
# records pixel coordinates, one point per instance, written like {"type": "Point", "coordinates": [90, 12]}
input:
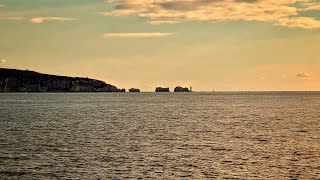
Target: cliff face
{"type": "Point", "coordinates": [12, 80]}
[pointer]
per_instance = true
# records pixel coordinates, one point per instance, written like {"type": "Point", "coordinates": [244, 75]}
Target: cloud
{"type": "Point", "coordinates": [300, 22]}
{"type": "Point", "coordinates": [310, 6]}
{"type": "Point", "coordinates": [39, 20]}
{"type": "Point", "coordinates": [163, 22]}
{"type": "Point", "coordinates": [1, 5]}
{"type": "Point", "coordinates": [278, 12]}
{"type": "Point", "coordinates": [303, 75]}
{"type": "Point", "coordinates": [123, 35]}
{"type": "Point", "coordinates": [3, 61]}
{"type": "Point", "coordinates": [12, 18]}
{"type": "Point", "coordinates": [313, 7]}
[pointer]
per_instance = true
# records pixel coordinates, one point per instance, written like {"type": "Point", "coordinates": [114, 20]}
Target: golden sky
{"type": "Point", "coordinates": [207, 44]}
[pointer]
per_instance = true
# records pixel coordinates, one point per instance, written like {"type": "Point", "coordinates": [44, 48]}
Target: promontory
{"type": "Point", "coordinates": [13, 80]}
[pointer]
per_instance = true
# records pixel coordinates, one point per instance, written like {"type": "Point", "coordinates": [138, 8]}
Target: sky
{"type": "Point", "coordinates": [225, 45]}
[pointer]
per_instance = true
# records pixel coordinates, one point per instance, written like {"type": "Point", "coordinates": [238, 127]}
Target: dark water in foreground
{"type": "Point", "coordinates": [157, 136]}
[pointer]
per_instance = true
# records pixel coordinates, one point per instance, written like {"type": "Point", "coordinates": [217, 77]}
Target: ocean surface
{"type": "Point", "coordinates": [264, 135]}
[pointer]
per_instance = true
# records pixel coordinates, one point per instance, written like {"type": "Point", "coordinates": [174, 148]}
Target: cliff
{"type": "Point", "coordinates": [12, 80]}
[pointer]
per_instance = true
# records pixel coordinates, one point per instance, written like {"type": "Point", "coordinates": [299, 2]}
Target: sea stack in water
{"type": "Point", "coordinates": [161, 89]}
{"type": "Point", "coordinates": [134, 90]}
{"type": "Point", "coordinates": [181, 89]}
{"type": "Point", "coordinates": [12, 80]}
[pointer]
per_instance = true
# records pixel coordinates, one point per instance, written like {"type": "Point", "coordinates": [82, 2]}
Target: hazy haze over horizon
{"type": "Point", "coordinates": [221, 45]}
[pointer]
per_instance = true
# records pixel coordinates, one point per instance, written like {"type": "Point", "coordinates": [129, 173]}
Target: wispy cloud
{"type": "Point", "coordinates": [123, 35]}
{"type": "Point", "coordinates": [310, 6]}
{"type": "Point", "coordinates": [39, 20]}
{"type": "Point", "coordinates": [313, 7]}
{"type": "Point", "coordinates": [163, 22]}
{"type": "Point", "coordinates": [3, 61]}
{"type": "Point", "coordinates": [300, 22]}
{"type": "Point", "coordinates": [303, 75]}
{"type": "Point", "coordinates": [278, 12]}
{"type": "Point", "coordinates": [12, 18]}
{"type": "Point", "coordinates": [1, 5]}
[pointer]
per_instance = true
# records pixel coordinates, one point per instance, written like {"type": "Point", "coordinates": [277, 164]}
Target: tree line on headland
{"type": "Point", "coordinates": [13, 80]}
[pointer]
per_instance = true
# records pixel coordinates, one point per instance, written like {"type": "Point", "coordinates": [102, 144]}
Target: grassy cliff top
{"type": "Point", "coordinates": [26, 74]}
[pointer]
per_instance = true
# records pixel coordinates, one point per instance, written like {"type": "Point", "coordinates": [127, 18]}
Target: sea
{"type": "Point", "coordinates": [222, 135]}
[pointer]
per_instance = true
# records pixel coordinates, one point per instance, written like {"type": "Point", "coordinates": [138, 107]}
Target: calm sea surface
{"type": "Point", "coordinates": [160, 136]}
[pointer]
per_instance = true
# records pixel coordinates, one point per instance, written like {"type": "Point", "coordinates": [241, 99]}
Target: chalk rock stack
{"type": "Point", "coordinates": [134, 90]}
{"type": "Point", "coordinates": [161, 89]}
{"type": "Point", "coordinates": [181, 89]}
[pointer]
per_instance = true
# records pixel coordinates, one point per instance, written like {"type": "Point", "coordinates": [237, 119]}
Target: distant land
{"type": "Point", "coordinates": [13, 80]}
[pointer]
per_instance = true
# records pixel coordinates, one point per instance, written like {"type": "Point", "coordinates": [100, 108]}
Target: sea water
{"type": "Point", "coordinates": [255, 135]}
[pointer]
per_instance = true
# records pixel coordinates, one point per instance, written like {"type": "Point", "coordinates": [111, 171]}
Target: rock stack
{"type": "Point", "coordinates": [134, 90]}
{"type": "Point", "coordinates": [160, 89]}
{"type": "Point", "coordinates": [181, 89]}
